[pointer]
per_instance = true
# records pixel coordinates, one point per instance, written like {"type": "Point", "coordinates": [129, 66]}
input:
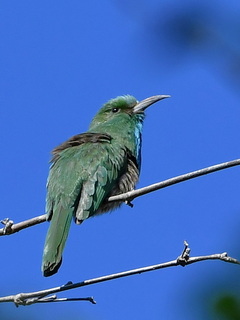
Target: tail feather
{"type": "Point", "coordinates": [55, 240]}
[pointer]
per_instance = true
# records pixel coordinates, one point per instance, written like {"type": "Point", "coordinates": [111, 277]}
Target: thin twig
{"type": "Point", "coordinates": [10, 227]}
{"type": "Point", "coordinates": [55, 299]}
{"type": "Point", "coordinates": [40, 296]}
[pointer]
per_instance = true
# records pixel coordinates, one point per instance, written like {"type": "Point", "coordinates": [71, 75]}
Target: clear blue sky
{"type": "Point", "coordinates": [60, 61]}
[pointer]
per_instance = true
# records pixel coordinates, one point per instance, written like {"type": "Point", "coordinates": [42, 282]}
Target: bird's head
{"type": "Point", "coordinates": [121, 108]}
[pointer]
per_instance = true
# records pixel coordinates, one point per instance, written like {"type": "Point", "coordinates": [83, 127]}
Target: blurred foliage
{"type": "Point", "coordinates": [228, 307]}
{"type": "Point", "coordinates": [208, 31]}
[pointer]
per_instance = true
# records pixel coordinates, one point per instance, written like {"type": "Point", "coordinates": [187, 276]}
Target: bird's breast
{"type": "Point", "coordinates": [125, 183]}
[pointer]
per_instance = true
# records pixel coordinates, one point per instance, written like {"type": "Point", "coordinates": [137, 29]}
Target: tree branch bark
{"type": "Point", "coordinates": [11, 227]}
{"type": "Point", "coordinates": [41, 296]}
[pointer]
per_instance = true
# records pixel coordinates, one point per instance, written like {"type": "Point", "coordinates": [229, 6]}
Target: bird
{"type": "Point", "coordinates": [90, 167]}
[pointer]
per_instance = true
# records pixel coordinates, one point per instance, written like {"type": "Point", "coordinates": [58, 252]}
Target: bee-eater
{"type": "Point", "coordinates": [90, 167]}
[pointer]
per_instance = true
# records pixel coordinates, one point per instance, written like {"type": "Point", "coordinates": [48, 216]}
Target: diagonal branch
{"type": "Point", "coordinates": [169, 182]}
{"type": "Point", "coordinates": [10, 227]}
{"type": "Point", "coordinates": [40, 296]}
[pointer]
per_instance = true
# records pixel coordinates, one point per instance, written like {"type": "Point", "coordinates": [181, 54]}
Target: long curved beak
{"type": "Point", "coordinates": [144, 104]}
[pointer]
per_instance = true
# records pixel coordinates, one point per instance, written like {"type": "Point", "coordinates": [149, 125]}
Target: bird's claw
{"type": "Point", "coordinates": [129, 203]}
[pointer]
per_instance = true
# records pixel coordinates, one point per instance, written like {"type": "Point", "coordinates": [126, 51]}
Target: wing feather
{"type": "Point", "coordinates": [83, 173]}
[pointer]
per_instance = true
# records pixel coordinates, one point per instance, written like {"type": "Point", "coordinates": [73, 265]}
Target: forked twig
{"type": "Point", "coordinates": [41, 296]}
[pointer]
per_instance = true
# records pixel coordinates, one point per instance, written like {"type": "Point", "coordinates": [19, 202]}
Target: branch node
{"type": "Point", "coordinates": [224, 255]}
{"type": "Point", "coordinates": [47, 299]}
{"type": "Point", "coordinates": [182, 260]}
{"type": "Point", "coordinates": [19, 300]}
{"type": "Point", "coordinates": [8, 226]}
{"type": "Point", "coordinates": [67, 284]}
{"type": "Point", "coordinates": [91, 299]}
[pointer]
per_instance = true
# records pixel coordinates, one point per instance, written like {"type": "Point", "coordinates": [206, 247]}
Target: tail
{"type": "Point", "coordinates": [55, 241]}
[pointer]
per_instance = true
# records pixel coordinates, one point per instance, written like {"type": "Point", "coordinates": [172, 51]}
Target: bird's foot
{"type": "Point", "coordinates": [184, 257]}
{"type": "Point", "coordinates": [129, 203]}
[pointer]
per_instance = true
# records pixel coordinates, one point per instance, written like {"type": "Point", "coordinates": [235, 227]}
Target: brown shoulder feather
{"type": "Point", "coordinates": [79, 139]}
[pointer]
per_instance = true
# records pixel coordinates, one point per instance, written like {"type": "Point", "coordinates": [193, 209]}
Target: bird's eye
{"type": "Point", "coordinates": [114, 110]}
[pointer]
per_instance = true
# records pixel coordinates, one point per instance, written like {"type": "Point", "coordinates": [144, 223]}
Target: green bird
{"type": "Point", "coordinates": [89, 168]}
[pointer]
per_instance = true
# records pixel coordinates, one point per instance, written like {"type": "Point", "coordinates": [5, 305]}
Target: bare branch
{"type": "Point", "coordinates": [11, 227]}
{"type": "Point", "coordinates": [41, 296]}
{"type": "Point", "coordinates": [127, 197]}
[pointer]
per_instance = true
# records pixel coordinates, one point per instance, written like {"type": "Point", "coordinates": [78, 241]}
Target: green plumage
{"type": "Point", "coordinates": [89, 168]}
